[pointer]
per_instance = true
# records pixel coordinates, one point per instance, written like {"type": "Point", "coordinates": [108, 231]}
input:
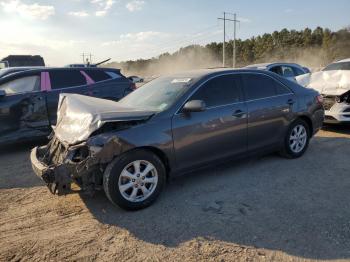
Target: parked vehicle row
{"type": "Point", "coordinates": [29, 97]}
{"type": "Point", "coordinates": [171, 126]}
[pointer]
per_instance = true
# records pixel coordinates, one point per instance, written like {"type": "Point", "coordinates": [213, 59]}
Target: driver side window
{"type": "Point", "coordinates": [22, 85]}
{"type": "Point", "coordinates": [221, 90]}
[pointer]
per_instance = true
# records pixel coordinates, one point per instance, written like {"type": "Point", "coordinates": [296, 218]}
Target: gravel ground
{"type": "Point", "coordinates": [260, 209]}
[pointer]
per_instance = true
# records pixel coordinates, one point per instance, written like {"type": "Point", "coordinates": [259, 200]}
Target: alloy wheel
{"type": "Point", "coordinates": [138, 181]}
{"type": "Point", "coordinates": [298, 138]}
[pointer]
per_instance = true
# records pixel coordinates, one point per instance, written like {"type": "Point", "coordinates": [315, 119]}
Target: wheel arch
{"type": "Point", "coordinates": [308, 120]}
{"type": "Point", "coordinates": [162, 156]}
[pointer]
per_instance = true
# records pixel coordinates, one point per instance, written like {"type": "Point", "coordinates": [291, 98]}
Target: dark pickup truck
{"type": "Point", "coordinates": [29, 98]}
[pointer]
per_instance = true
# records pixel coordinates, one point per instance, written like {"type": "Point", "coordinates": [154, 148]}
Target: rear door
{"type": "Point", "coordinates": [269, 105]}
{"type": "Point", "coordinates": [108, 84]}
{"type": "Point", "coordinates": [217, 132]}
{"type": "Point", "coordinates": [63, 81]}
{"type": "Point", "coordinates": [23, 108]}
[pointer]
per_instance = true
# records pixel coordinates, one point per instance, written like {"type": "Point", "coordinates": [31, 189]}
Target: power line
{"type": "Point", "coordinates": [187, 42]}
{"type": "Point", "coordinates": [184, 41]}
{"type": "Point", "coordinates": [189, 35]}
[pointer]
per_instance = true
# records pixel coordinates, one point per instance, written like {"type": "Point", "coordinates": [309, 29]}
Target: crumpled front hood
{"type": "Point", "coordinates": [79, 116]}
{"type": "Point", "coordinates": [335, 82]}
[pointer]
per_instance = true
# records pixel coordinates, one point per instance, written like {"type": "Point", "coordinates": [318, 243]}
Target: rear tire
{"type": "Point", "coordinates": [296, 140]}
{"type": "Point", "coordinates": [134, 180]}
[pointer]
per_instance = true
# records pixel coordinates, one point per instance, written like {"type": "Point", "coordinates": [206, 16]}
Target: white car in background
{"type": "Point", "coordinates": [287, 70]}
{"type": "Point", "coordinates": [135, 79]}
{"type": "Point", "coordinates": [333, 82]}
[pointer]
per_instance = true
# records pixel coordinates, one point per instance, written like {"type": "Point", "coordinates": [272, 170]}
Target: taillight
{"type": "Point", "coordinates": [319, 99]}
{"type": "Point", "coordinates": [133, 86]}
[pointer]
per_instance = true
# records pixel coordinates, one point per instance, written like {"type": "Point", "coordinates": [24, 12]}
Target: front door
{"type": "Point", "coordinates": [219, 131]}
{"type": "Point", "coordinates": [22, 108]}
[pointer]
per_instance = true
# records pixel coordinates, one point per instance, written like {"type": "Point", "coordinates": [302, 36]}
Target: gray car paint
{"type": "Point", "coordinates": [186, 141]}
{"type": "Point", "coordinates": [189, 140]}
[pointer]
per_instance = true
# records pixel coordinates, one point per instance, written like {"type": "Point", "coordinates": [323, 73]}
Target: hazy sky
{"type": "Point", "coordinates": [62, 30]}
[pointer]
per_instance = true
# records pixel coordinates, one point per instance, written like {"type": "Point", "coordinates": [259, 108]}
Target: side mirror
{"type": "Point", "coordinates": [2, 93]}
{"type": "Point", "coordinates": [194, 106]}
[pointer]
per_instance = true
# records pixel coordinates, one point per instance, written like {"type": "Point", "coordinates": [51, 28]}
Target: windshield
{"type": "Point", "coordinates": [338, 66]}
{"type": "Point", "coordinates": [157, 95]}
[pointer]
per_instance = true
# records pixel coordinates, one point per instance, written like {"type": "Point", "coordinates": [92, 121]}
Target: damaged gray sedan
{"type": "Point", "coordinates": [171, 126]}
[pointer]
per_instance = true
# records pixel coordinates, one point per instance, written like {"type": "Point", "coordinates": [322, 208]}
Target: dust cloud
{"type": "Point", "coordinates": [313, 58]}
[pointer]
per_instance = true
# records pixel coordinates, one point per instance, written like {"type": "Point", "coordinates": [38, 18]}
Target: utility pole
{"type": "Point", "coordinates": [88, 59]}
{"type": "Point", "coordinates": [234, 41]}
{"type": "Point", "coordinates": [223, 44]}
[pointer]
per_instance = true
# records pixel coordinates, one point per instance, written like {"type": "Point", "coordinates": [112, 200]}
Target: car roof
{"type": "Point", "coordinates": [204, 74]}
{"type": "Point", "coordinates": [200, 73]}
{"type": "Point", "coordinates": [344, 60]}
{"type": "Point", "coordinates": [39, 69]}
{"type": "Point", "coordinates": [31, 70]}
{"type": "Point", "coordinates": [265, 65]}
{"type": "Point", "coordinates": [9, 70]}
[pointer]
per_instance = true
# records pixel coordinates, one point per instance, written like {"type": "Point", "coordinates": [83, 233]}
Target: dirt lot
{"type": "Point", "coordinates": [262, 209]}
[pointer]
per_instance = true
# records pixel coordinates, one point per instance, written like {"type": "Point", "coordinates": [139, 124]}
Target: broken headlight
{"type": "Point", "coordinates": [80, 153]}
{"type": "Point", "coordinates": [95, 149]}
{"type": "Point", "coordinates": [343, 98]}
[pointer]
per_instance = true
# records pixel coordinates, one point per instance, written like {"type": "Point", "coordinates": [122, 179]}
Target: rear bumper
{"type": "Point", "coordinates": [317, 120]}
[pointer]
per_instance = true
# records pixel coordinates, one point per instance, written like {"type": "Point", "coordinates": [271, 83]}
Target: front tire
{"type": "Point", "coordinates": [135, 179]}
{"type": "Point", "coordinates": [296, 140]}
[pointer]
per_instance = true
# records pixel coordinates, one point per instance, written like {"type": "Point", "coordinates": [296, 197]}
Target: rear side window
{"type": "Point", "coordinates": [287, 71]}
{"type": "Point", "coordinates": [258, 86]}
{"type": "Point", "coordinates": [298, 71]}
{"type": "Point", "coordinates": [98, 75]}
{"type": "Point", "coordinates": [114, 75]}
{"type": "Point", "coordinates": [66, 78]}
{"type": "Point", "coordinates": [277, 70]}
{"type": "Point", "coordinates": [221, 90]}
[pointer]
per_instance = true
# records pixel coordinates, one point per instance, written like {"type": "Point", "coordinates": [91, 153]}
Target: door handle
{"type": "Point", "coordinates": [290, 101]}
{"type": "Point", "coordinates": [238, 113]}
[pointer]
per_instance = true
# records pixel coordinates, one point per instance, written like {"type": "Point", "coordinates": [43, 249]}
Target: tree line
{"type": "Point", "coordinates": [314, 48]}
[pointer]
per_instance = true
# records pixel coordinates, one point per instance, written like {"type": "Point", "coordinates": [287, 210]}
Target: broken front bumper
{"type": "Point", "coordinates": [57, 178]}
{"type": "Point", "coordinates": [338, 113]}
